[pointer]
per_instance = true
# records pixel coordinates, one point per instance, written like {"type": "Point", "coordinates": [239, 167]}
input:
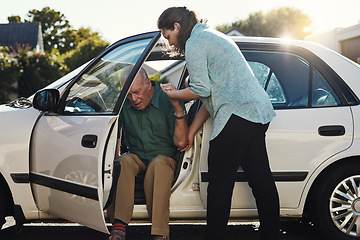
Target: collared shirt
{"type": "Point", "coordinates": [220, 74]}
{"type": "Point", "coordinates": [150, 132]}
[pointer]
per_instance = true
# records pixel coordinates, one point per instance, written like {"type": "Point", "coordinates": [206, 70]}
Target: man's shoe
{"type": "Point", "coordinates": [117, 235]}
{"type": "Point", "coordinates": [161, 238]}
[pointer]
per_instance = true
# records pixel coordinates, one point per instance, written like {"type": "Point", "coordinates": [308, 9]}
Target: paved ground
{"type": "Point", "coordinates": [248, 231]}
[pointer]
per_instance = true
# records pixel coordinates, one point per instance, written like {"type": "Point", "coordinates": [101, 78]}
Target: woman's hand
{"type": "Point", "coordinates": [167, 87]}
{"type": "Point", "coordinates": [173, 93]}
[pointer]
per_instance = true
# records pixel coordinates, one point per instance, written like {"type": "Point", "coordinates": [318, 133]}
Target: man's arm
{"type": "Point", "coordinates": [181, 127]}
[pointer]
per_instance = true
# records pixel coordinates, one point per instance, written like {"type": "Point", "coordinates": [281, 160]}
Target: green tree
{"type": "Point", "coordinates": [36, 71]}
{"type": "Point", "coordinates": [57, 31]}
{"type": "Point", "coordinates": [276, 23]}
{"type": "Point", "coordinates": [75, 37]}
{"type": "Point", "coordinates": [14, 19]}
{"type": "Point", "coordinates": [53, 25]}
{"type": "Point", "coordinates": [25, 72]}
{"type": "Point", "coordinates": [9, 74]}
{"type": "Point", "coordinates": [58, 34]}
{"type": "Point", "coordinates": [63, 45]}
{"type": "Point", "coordinates": [157, 78]}
{"type": "Point", "coordinates": [84, 51]}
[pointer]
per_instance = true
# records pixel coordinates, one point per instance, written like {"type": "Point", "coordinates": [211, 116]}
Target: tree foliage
{"type": "Point", "coordinates": [14, 19]}
{"type": "Point", "coordinates": [9, 75]}
{"type": "Point", "coordinates": [53, 25]}
{"type": "Point", "coordinates": [157, 78]}
{"type": "Point", "coordinates": [25, 70]}
{"type": "Point", "coordinates": [56, 30]}
{"type": "Point", "coordinates": [85, 51]}
{"type": "Point", "coordinates": [74, 37]}
{"type": "Point", "coordinates": [276, 23]}
{"type": "Point", "coordinates": [36, 71]}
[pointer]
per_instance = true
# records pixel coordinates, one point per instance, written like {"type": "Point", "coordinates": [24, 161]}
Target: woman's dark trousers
{"type": "Point", "coordinates": [241, 143]}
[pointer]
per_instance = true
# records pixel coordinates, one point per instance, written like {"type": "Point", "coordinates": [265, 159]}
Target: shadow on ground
{"type": "Point", "coordinates": [289, 231]}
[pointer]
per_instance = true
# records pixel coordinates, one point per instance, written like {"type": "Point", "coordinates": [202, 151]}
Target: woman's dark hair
{"type": "Point", "coordinates": [187, 20]}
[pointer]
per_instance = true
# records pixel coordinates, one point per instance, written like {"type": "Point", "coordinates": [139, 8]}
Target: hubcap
{"type": "Point", "coordinates": [345, 206]}
{"type": "Point", "coordinates": [356, 206]}
{"type": "Point", "coordinates": [82, 177]}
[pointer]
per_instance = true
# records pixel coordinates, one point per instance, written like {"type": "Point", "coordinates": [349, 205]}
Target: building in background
{"type": "Point", "coordinates": [345, 41]}
{"type": "Point", "coordinates": [24, 35]}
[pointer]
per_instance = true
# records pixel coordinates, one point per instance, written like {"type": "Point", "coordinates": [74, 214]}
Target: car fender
{"type": "Point", "coordinates": [16, 126]}
{"type": "Point", "coordinates": [348, 156]}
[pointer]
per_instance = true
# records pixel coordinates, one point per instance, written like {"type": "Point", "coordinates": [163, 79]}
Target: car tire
{"type": "Point", "coordinates": [337, 204]}
{"type": "Point", "coordinates": [4, 206]}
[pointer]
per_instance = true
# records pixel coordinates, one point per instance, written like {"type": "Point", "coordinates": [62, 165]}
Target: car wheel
{"type": "Point", "coordinates": [83, 176]}
{"type": "Point", "coordinates": [2, 212]}
{"type": "Point", "coordinates": [337, 204]}
{"type": "Point", "coordinates": [4, 206]}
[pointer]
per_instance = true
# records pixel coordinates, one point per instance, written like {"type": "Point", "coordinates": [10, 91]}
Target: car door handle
{"type": "Point", "coordinates": [331, 130]}
{"type": "Point", "coordinates": [89, 141]}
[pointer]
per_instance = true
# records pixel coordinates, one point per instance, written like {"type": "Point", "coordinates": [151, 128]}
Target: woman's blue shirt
{"type": "Point", "coordinates": [220, 74]}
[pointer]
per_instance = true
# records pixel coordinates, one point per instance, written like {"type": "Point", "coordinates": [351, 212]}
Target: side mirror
{"type": "Point", "coordinates": [46, 100]}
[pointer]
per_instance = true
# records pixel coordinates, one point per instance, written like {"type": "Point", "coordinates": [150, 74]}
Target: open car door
{"type": "Point", "coordinates": [73, 145]}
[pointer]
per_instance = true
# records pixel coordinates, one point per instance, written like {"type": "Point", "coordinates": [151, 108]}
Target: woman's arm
{"type": "Point", "coordinates": [183, 94]}
{"type": "Point", "coordinates": [198, 121]}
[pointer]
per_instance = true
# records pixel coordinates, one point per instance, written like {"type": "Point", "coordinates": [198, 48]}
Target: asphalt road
{"type": "Point", "coordinates": [289, 231]}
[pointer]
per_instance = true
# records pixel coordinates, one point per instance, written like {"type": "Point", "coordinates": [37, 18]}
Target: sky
{"type": "Point", "coordinates": [116, 19]}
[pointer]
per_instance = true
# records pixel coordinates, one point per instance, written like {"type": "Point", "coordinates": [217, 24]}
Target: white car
{"type": "Point", "coordinates": [56, 154]}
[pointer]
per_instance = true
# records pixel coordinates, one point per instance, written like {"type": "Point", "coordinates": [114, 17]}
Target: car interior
{"type": "Point", "coordinates": [192, 107]}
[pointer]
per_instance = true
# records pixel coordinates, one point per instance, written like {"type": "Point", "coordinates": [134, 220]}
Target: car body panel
{"type": "Point", "coordinates": [293, 146]}
{"type": "Point", "coordinates": [16, 125]}
{"type": "Point", "coordinates": [64, 160]}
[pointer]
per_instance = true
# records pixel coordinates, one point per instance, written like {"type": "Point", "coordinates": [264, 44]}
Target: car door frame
{"type": "Point", "coordinates": [73, 188]}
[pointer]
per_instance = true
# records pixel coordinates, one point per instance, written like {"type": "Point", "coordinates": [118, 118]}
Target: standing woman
{"type": "Point", "coordinates": [241, 109]}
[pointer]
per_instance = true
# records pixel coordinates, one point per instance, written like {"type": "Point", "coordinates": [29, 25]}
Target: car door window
{"type": "Point", "coordinates": [322, 93]}
{"type": "Point", "coordinates": [287, 78]}
{"type": "Point", "coordinates": [269, 82]}
{"type": "Point", "coordinates": [98, 89]}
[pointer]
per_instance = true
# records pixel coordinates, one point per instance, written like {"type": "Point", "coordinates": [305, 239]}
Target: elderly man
{"type": "Point", "coordinates": [154, 128]}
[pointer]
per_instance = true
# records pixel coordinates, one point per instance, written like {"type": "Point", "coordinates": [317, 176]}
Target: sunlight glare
{"type": "Point", "coordinates": [286, 36]}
